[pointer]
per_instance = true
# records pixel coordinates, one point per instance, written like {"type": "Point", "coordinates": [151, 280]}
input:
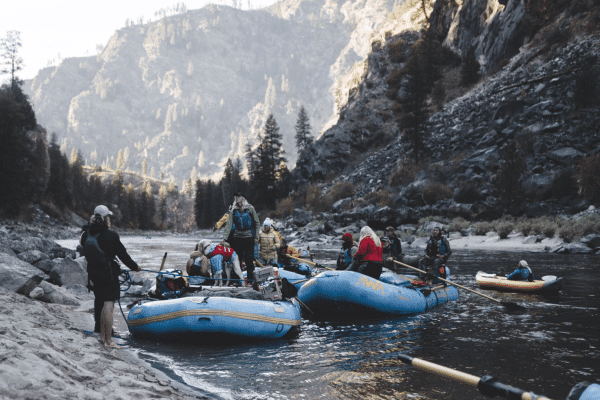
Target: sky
{"type": "Point", "coordinates": [59, 29]}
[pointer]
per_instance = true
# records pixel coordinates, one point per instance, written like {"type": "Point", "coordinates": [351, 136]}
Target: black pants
{"type": "Point", "coordinates": [244, 247]}
{"type": "Point", "coordinates": [371, 268]}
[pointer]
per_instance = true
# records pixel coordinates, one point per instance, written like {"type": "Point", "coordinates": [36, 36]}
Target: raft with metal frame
{"type": "Point", "coordinates": [214, 316]}
{"type": "Point", "coordinates": [548, 284]}
{"type": "Point", "coordinates": [349, 292]}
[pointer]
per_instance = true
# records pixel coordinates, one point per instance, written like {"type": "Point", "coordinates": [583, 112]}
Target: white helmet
{"type": "Point", "coordinates": [523, 264]}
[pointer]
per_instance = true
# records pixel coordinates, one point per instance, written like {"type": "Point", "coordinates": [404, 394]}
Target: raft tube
{"type": "Point", "coordinates": [220, 316]}
{"type": "Point", "coordinates": [585, 391]}
{"type": "Point", "coordinates": [492, 281]}
{"type": "Point", "coordinates": [351, 293]}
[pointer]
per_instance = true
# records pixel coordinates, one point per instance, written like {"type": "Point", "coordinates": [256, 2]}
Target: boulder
{"type": "Point", "coordinates": [45, 265]}
{"type": "Point", "coordinates": [17, 275]}
{"type": "Point", "coordinates": [538, 183]}
{"type": "Point", "coordinates": [565, 155]}
{"type": "Point", "coordinates": [50, 293]}
{"type": "Point", "coordinates": [301, 217]}
{"type": "Point", "coordinates": [592, 241]}
{"type": "Point", "coordinates": [419, 243]}
{"type": "Point", "coordinates": [68, 272]}
{"type": "Point", "coordinates": [32, 256]}
{"type": "Point", "coordinates": [573, 248]}
{"type": "Point", "coordinates": [5, 247]}
{"type": "Point", "coordinates": [33, 243]}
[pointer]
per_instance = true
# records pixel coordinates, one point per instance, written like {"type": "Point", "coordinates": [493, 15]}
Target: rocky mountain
{"type": "Point", "coordinates": [528, 96]}
{"type": "Point", "coordinates": [188, 91]}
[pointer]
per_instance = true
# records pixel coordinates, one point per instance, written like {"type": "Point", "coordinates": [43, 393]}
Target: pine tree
{"type": "Point", "coordinates": [414, 110]}
{"type": "Point", "coordinates": [80, 182]}
{"type": "Point", "coordinates": [303, 136]}
{"type": "Point", "coordinates": [17, 162]}
{"type": "Point", "coordinates": [12, 63]}
{"type": "Point", "coordinates": [162, 206]}
{"type": "Point", "coordinates": [269, 155]}
{"type": "Point", "coordinates": [199, 204]}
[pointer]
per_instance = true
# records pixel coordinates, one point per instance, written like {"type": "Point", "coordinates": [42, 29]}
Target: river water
{"type": "Point", "coordinates": [547, 348]}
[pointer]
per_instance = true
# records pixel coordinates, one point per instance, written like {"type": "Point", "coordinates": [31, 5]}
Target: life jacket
{"type": "Point", "coordinates": [440, 245]}
{"type": "Point", "coordinates": [345, 257]}
{"type": "Point", "coordinates": [98, 264]}
{"type": "Point", "coordinates": [219, 249]}
{"type": "Point", "coordinates": [242, 219]}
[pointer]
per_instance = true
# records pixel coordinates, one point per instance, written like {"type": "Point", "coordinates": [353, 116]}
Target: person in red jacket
{"type": "Point", "coordinates": [368, 260]}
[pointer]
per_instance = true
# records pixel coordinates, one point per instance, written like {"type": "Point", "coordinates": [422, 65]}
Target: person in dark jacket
{"type": "Point", "coordinates": [349, 248]}
{"type": "Point", "coordinates": [437, 253]}
{"type": "Point", "coordinates": [522, 273]}
{"type": "Point", "coordinates": [100, 247]}
{"type": "Point", "coordinates": [395, 244]}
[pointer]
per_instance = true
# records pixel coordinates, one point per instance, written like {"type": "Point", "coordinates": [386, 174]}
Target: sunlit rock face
{"type": "Point", "coordinates": [190, 90]}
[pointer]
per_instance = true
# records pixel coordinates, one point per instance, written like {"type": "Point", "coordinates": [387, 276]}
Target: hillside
{"type": "Point", "coordinates": [540, 98]}
{"type": "Point", "coordinates": [190, 90]}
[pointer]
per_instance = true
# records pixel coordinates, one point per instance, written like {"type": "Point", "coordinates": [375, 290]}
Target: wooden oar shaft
{"type": "Point", "coordinates": [304, 305]}
{"type": "Point", "coordinates": [162, 264]}
{"type": "Point", "coordinates": [489, 387]}
{"type": "Point", "coordinates": [451, 283]}
{"type": "Point", "coordinates": [310, 262]}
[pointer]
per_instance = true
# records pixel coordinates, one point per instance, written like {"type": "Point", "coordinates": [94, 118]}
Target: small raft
{"type": "Point", "coordinates": [214, 316]}
{"type": "Point", "coordinates": [351, 293]}
{"type": "Point", "coordinates": [548, 284]}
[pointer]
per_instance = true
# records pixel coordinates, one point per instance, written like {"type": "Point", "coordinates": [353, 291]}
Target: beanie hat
{"type": "Point", "coordinates": [346, 236]}
{"type": "Point", "coordinates": [267, 222]}
{"type": "Point", "coordinates": [523, 263]}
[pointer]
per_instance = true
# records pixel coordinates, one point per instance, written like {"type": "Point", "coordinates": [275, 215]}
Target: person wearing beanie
{"type": "Point", "coordinates": [349, 248]}
{"type": "Point", "coordinates": [268, 244]}
{"type": "Point", "coordinates": [100, 247]}
{"type": "Point", "coordinates": [522, 273]}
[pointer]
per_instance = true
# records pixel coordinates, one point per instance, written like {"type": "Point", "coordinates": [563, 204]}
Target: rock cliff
{"type": "Point", "coordinates": [188, 91]}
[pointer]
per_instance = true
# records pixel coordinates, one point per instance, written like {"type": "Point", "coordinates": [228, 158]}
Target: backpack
{"type": "Point", "coordinates": [242, 220]}
{"type": "Point", "coordinates": [98, 264]}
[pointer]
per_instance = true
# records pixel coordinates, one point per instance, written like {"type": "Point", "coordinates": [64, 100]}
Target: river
{"type": "Point", "coordinates": [547, 348]}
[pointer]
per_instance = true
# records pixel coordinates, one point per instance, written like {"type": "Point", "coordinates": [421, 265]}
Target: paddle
{"type": "Point", "coordinates": [487, 385]}
{"type": "Point", "coordinates": [162, 265]}
{"type": "Point", "coordinates": [507, 304]}
{"type": "Point", "coordinates": [310, 263]}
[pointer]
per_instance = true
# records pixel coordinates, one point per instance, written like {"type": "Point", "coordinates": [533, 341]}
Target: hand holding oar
{"type": "Point", "coordinates": [310, 262]}
{"type": "Point", "coordinates": [507, 304]}
{"type": "Point", "coordinates": [487, 385]}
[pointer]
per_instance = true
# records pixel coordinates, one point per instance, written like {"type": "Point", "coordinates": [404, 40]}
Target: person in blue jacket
{"type": "Point", "coordinates": [522, 273]}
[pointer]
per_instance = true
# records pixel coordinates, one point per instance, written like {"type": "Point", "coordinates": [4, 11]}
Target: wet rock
{"type": "Point", "coordinates": [592, 241]}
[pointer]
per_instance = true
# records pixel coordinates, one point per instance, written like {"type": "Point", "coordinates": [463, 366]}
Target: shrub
{"type": "Point", "coordinates": [483, 227]}
{"type": "Point", "coordinates": [586, 88]}
{"type": "Point", "coordinates": [284, 208]}
{"type": "Point", "coordinates": [504, 228]}
{"type": "Point", "coordinates": [316, 201]}
{"type": "Point", "coordinates": [395, 51]}
{"type": "Point", "coordinates": [588, 177]}
{"type": "Point", "coordinates": [469, 73]}
{"type": "Point", "coordinates": [404, 174]}
{"type": "Point", "coordinates": [458, 224]}
{"type": "Point", "coordinates": [395, 78]}
{"type": "Point", "coordinates": [524, 227]}
{"type": "Point", "coordinates": [380, 197]}
{"type": "Point", "coordinates": [435, 192]}
{"type": "Point", "coordinates": [342, 190]}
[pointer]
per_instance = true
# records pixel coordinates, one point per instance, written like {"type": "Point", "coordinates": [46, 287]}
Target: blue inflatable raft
{"type": "Point", "coordinates": [214, 316]}
{"type": "Point", "coordinates": [350, 292]}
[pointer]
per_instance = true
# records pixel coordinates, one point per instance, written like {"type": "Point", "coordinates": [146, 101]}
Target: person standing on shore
{"type": "Point", "coordinates": [242, 224]}
{"type": "Point", "coordinates": [100, 247]}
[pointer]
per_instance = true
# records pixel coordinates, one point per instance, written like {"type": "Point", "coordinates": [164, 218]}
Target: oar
{"type": "Point", "coordinates": [162, 265]}
{"type": "Point", "coordinates": [487, 385]}
{"type": "Point", "coordinates": [508, 304]}
{"type": "Point", "coordinates": [310, 262]}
